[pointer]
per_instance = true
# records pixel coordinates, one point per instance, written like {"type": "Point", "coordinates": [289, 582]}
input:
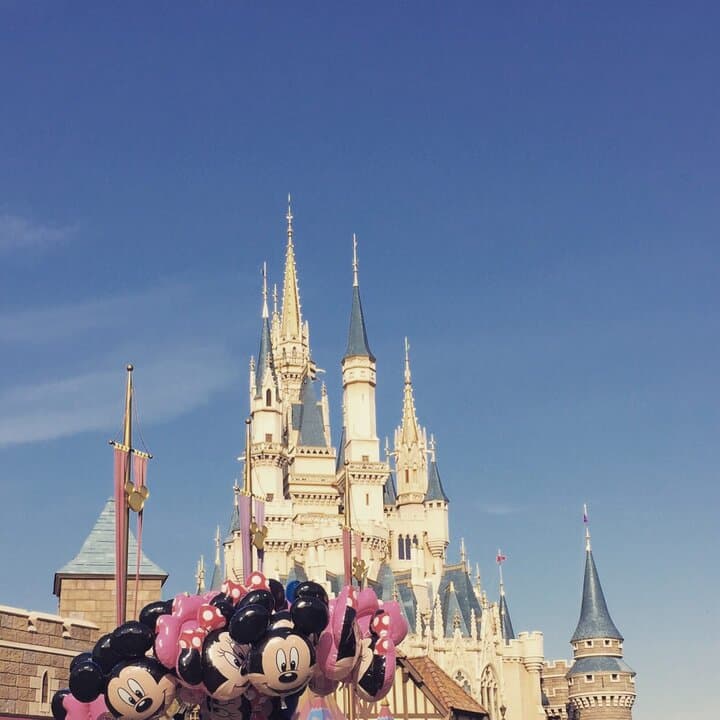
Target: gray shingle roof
{"type": "Point", "coordinates": [217, 577]}
{"type": "Point", "coordinates": [310, 422]}
{"type": "Point", "coordinates": [389, 492]}
{"type": "Point", "coordinates": [357, 335]}
{"type": "Point", "coordinates": [599, 663]}
{"type": "Point", "coordinates": [265, 359]}
{"type": "Point", "coordinates": [506, 627]}
{"type": "Point", "coordinates": [595, 620]}
{"type": "Point", "coordinates": [452, 611]}
{"type": "Point", "coordinates": [435, 489]}
{"type": "Point", "coordinates": [341, 452]}
{"type": "Point", "coordinates": [467, 600]}
{"type": "Point", "coordinates": [97, 554]}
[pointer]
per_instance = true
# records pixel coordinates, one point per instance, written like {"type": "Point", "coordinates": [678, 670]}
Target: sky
{"type": "Point", "coordinates": [534, 190]}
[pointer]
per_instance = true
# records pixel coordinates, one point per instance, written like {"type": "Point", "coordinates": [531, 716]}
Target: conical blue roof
{"type": "Point", "coordinates": [357, 336]}
{"type": "Point", "coordinates": [435, 489]}
{"type": "Point", "coordinates": [453, 613]}
{"type": "Point", "coordinates": [97, 554]}
{"type": "Point", "coordinates": [389, 492]}
{"type": "Point", "coordinates": [310, 421]}
{"type": "Point", "coordinates": [595, 620]}
{"type": "Point", "coordinates": [265, 359]}
{"type": "Point", "coordinates": [340, 462]}
{"type": "Point", "coordinates": [505, 623]}
{"type": "Point", "coordinates": [217, 577]}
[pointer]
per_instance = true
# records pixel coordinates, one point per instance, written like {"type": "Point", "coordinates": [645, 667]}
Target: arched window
{"type": "Point", "coordinates": [44, 688]}
{"type": "Point", "coordinates": [407, 475]}
{"type": "Point", "coordinates": [489, 697]}
{"type": "Point", "coordinates": [268, 398]}
{"type": "Point", "coordinates": [407, 548]}
{"type": "Point", "coordinates": [462, 681]}
{"type": "Point", "coordinates": [415, 540]}
{"type": "Point", "coordinates": [401, 548]}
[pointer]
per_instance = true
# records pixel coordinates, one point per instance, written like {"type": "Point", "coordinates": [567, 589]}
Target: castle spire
{"type": "Point", "coordinates": [595, 620]}
{"type": "Point", "coordinates": [506, 628]}
{"type": "Point", "coordinates": [357, 345]}
{"type": "Point", "coordinates": [265, 313]}
{"type": "Point", "coordinates": [291, 322]}
{"type": "Point", "coordinates": [265, 362]}
{"type": "Point", "coordinates": [409, 430]}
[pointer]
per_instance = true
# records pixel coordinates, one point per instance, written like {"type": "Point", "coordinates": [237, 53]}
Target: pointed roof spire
{"type": "Point", "coordinates": [409, 430]}
{"type": "Point", "coordinates": [389, 492]}
{"type": "Point", "coordinates": [435, 491]}
{"type": "Point", "coordinates": [453, 614]}
{"type": "Point", "coordinates": [217, 575]}
{"type": "Point", "coordinates": [506, 627]}
{"type": "Point", "coordinates": [595, 620]}
{"type": "Point", "coordinates": [200, 576]}
{"type": "Point", "coordinates": [311, 427]}
{"type": "Point", "coordinates": [357, 344]}
{"type": "Point", "coordinates": [265, 362]}
{"type": "Point", "coordinates": [291, 322]}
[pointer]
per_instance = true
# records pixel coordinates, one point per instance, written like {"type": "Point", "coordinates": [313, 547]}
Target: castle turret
{"type": "Point", "coordinates": [601, 684]}
{"type": "Point", "coordinates": [436, 513]}
{"type": "Point", "coordinates": [506, 628]}
{"type": "Point", "coordinates": [217, 574]}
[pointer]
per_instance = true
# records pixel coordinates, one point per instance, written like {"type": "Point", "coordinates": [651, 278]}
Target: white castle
{"type": "Point", "coordinates": [399, 507]}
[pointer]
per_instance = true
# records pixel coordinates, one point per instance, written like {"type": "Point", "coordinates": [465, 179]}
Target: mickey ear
{"type": "Point", "coordinates": [249, 624]}
{"type": "Point", "coordinates": [224, 604]}
{"type": "Point", "coordinates": [58, 709]}
{"type": "Point", "coordinates": [131, 640]}
{"type": "Point", "coordinates": [278, 593]}
{"type": "Point", "coordinates": [150, 613]}
{"type": "Point", "coordinates": [86, 681]}
{"type": "Point", "coordinates": [311, 589]}
{"type": "Point", "coordinates": [104, 655]}
{"type": "Point", "coordinates": [189, 666]}
{"type": "Point", "coordinates": [310, 615]}
{"type": "Point", "coordinates": [259, 597]}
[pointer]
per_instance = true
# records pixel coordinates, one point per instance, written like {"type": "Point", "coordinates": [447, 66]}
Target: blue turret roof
{"type": "Point", "coordinates": [307, 417]}
{"type": "Point", "coordinates": [467, 600]}
{"type": "Point", "coordinates": [357, 336]}
{"type": "Point", "coordinates": [506, 627]}
{"type": "Point", "coordinates": [435, 489]}
{"type": "Point", "coordinates": [97, 554]}
{"type": "Point", "coordinates": [453, 613]}
{"type": "Point", "coordinates": [595, 620]}
{"type": "Point", "coordinates": [599, 663]}
{"type": "Point", "coordinates": [217, 577]}
{"type": "Point", "coordinates": [265, 359]}
{"type": "Point", "coordinates": [389, 492]}
{"type": "Point", "coordinates": [341, 452]}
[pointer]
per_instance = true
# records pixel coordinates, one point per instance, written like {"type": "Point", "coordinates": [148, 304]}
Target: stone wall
{"type": "Point", "coordinates": [35, 654]}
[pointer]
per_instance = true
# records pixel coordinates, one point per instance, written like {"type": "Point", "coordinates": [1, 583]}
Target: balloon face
{"type": "Point", "coordinates": [225, 673]}
{"type": "Point", "coordinates": [282, 663]}
{"type": "Point", "coordinates": [139, 690]}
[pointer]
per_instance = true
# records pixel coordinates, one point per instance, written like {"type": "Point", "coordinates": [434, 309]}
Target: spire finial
{"type": "Point", "coordinates": [500, 560]}
{"type": "Point", "coordinates": [355, 262]}
{"type": "Point", "coordinates": [275, 298]}
{"type": "Point", "coordinates": [387, 449]}
{"type": "Point", "coordinates": [408, 377]}
{"type": "Point", "coordinates": [463, 553]}
{"type": "Point", "coordinates": [289, 218]}
{"type": "Point", "coordinates": [432, 447]}
{"type": "Point", "coordinates": [217, 545]}
{"type": "Point", "coordinates": [264, 291]}
{"type": "Point", "coordinates": [586, 521]}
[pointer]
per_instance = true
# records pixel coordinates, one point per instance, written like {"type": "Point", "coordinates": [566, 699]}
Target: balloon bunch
{"type": "Point", "coordinates": [245, 653]}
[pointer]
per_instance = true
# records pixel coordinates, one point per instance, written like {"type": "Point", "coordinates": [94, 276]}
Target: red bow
{"type": "Point", "coordinates": [209, 618]}
{"type": "Point", "coordinates": [234, 591]}
{"type": "Point", "coordinates": [257, 581]}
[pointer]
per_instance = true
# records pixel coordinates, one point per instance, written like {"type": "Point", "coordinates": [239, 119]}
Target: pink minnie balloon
{"type": "Point", "coordinates": [169, 627]}
{"type": "Point", "coordinates": [339, 645]}
{"type": "Point", "coordinates": [374, 673]}
{"type": "Point", "coordinates": [367, 606]}
{"type": "Point", "coordinates": [398, 627]}
{"type": "Point", "coordinates": [70, 708]}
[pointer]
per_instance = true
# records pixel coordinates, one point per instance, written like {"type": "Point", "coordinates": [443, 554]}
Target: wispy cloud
{"type": "Point", "coordinates": [500, 508]}
{"type": "Point", "coordinates": [80, 403]}
{"type": "Point", "coordinates": [21, 233]}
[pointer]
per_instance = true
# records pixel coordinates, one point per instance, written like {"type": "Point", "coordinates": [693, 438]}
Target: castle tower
{"type": "Point", "coordinates": [86, 585]}
{"type": "Point", "coordinates": [361, 451]}
{"type": "Point", "coordinates": [269, 459]}
{"type": "Point", "coordinates": [506, 627]}
{"type": "Point", "coordinates": [601, 684]}
{"type": "Point", "coordinates": [292, 356]}
{"type": "Point", "coordinates": [436, 514]}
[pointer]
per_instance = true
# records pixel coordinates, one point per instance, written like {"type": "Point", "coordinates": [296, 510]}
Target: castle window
{"type": "Point", "coordinates": [607, 643]}
{"type": "Point", "coordinates": [588, 643]}
{"type": "Point", "coordinates": [366, 458]}
{"type": "Point", "coordinates": [589, 678]}
{"type": "Point", "coordinates": [615, 677]}
{"type": "Point", "coordinates": [268, 398]}
{"type": "Point", "coordinates": [415, 540]}
{"type": "Point", "coordinates": [407, 547]}
{"type": "Point", "coordinates": [401, 548]}
{"type": "Point", "coordinates": [367, 498]}
{"type": "Point", "coordinates": [407, 475]}
{"type": "Point", "coordinates": [44, 688]}
{"type": "Point", "coordinates": [268, 437]}
{"type": "Point", "coordinates": [270, 497]}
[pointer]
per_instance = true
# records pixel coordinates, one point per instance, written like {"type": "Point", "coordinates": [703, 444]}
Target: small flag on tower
{"type": "Point", "coordinates": [500, 559]}
{"type": "Point", "coordinates": [585, 514]}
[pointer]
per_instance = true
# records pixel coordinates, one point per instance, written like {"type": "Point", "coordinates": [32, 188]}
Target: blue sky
{"type": "Point", "coordinates": [534, 189]}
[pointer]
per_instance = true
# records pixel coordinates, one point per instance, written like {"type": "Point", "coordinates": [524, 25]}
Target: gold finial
{"type": "Point", "coordinates": [355, 262]}
{"type": "Point", "coordinates": [289, 218]}
{"type": "Point", "coordinates": [407, 361]}
{"type": "Point", "coordinates": [264, 291]}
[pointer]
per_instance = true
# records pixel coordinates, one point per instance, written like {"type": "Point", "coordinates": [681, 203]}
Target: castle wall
{"type": "Point", "coordinates": [35, 654]}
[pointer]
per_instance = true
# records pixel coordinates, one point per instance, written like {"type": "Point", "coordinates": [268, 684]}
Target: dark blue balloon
{"type": "Point", "coordinates": [290, 589]}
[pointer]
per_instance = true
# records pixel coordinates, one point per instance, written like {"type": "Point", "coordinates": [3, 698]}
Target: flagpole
{"type": "Point", "coordinates": [124, 512]}
{"type": "Point", "coordinates": [247, 490]}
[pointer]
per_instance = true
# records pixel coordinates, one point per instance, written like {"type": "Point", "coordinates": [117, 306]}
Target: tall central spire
{"type": "Point", "coordinates": [291, 322]}
{"type": "Point", "coordinates": [409, 430]}
{"type": "Point", "coordinates": [357, 335]}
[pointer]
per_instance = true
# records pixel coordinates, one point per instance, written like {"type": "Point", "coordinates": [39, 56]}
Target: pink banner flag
{"type": "Point", "coordinates": [120, 469]}
{"type": "Point", "coordinates": [347, 555]}
{"type": "Point", "coordinates": [260, 521]}
{"type": "Point", "coordinates": [244, 511]}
